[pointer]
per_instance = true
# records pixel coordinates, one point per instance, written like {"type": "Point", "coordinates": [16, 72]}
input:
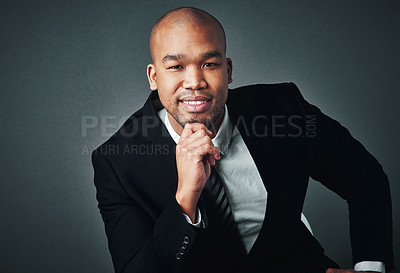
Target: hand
{"type": "Point", "coordinates": [335, 270]}
{"type": "Point", "coordinates": [195, 153]}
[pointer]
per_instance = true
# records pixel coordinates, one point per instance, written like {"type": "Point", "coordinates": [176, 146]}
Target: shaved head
{"type": "Point", "coordinates": [182, 17]}
{"type": "Point", "coordinates": [188, 49]}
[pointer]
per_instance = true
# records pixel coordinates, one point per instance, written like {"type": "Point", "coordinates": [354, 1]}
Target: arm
{"type": "Point", "coordinates": [343, 165]}
{"type": "Point", "coordinates": [195, 154]}
{"type": "Point", "coordinates": [137, 241]}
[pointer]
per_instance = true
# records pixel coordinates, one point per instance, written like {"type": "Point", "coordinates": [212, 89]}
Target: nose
{"type": "Point", "coordinates": [194, 79]}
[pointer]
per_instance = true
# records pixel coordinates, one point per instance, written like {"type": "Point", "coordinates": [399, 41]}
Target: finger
{"type": "Point", "coordinates": [333, 270]}
{"type": "Point", "coordinates": [338, 270]}
{"type": "Point", "coordinates": [192, 144]}
{"type": "Point", "coordinates": [197, 139]}
{"type": "Point", "coordinates": [197, 126]}
{"type": "Point", "coordinates": [200, 133]}
{"type": "Point", "coordinates": [187, 131]}
{"type": "Point", "coordinates": [207, 158]}
{"type": "Point", "coordinates": [211, 160]}
{"type": "Point", "coordinates": [207, 166]}
{"type": "Point", "coordinates": [203, 150]}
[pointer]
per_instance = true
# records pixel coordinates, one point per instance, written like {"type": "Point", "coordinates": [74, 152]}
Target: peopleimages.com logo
{"type": "Point", "coordinates": [276, 126]}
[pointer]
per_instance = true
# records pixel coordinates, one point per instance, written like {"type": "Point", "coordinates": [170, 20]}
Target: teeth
{"type": "Point", "coordinates": [192, 102]}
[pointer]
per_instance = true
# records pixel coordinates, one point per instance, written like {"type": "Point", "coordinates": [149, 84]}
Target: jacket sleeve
{"type": "Point", "coordinates": [342, 164]}
{"type": "Point", "coordinates": [139, 242]}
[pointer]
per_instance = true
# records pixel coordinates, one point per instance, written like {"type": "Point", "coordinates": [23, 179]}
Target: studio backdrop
{"type": "Point", "coordinates": [71, 72]}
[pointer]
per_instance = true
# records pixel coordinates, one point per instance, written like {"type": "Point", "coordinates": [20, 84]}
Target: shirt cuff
{"type": "Point", "coordinates": [197, 220]}
{"type": "Point", "coordinates": [370, 266]}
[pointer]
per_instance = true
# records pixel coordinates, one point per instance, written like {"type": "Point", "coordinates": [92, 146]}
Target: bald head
{"type": "Point", "coordinates": [183, 17]}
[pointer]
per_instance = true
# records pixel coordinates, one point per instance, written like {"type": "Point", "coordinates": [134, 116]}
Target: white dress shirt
{"type": "Point", "coordinates": [244, 187]}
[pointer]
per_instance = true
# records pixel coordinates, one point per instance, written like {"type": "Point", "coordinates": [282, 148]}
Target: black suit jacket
{"type": "Point", "coordinates": [290, 140]}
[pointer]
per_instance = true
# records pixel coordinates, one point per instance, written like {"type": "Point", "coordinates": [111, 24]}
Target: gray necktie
{"type": "Point", "coordinates": [215, 188]}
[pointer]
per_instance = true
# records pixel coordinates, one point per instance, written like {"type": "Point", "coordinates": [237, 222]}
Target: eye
{"type": "Point", "coordinates": [210, 64]}
{"type": "Point", "coordinates": [175, 67]}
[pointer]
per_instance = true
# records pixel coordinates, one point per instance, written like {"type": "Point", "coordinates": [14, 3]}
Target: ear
{"type": "Point", "coordinates": [151, 76]}
{"type": "Point", "coordinates": [229, 65]}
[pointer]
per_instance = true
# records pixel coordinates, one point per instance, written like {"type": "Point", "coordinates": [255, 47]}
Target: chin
{"type": "Point", "coordinates": [208, 122]}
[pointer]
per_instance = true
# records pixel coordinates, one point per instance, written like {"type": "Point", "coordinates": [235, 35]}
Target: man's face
{"type": "Point", "coordinates": [191, 73]}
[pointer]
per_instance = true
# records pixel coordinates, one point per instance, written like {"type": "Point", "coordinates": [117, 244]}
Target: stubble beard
{"type": "Point", "coordinates": [209, 122]}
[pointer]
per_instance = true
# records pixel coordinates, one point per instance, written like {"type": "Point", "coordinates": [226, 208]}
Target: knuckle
{"type": "Point", "coordinates": [206, 139]}
{"type": "Point", "coordinates": [210, 147]}
{"type": "Point", "coordinates": [197, 134]}
{"type": "Point", "coordinates": [180, 149]}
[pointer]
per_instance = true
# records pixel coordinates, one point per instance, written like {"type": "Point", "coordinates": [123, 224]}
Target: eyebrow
{"type": "Point", "coordinates": [179, 57]}
{"type": "Point", "coordinates": [212, 54]}
{"type": "Point", "coordinates": [176, 57]}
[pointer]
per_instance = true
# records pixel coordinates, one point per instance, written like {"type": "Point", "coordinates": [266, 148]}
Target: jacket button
{"type": "Point", "coordinates": [184, 245]}
{"type": "Point", "coordinates": [186, 239]}
{"type": "Point", "coordinates": [178, 256]}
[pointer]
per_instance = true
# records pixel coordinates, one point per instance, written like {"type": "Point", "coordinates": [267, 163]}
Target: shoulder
{"type": "Point", "coordinates": [135, 131]}
{"type": "Point", "coordinates": [278, 97]}
{"type": "Point", "coordinates": [266, 90]}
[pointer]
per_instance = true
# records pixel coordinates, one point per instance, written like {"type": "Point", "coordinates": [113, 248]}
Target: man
{"type": "Point", "coordinates": [208, 180]}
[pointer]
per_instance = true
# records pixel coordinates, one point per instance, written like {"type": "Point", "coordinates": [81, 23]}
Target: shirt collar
{"type": "Point", "coordinates": [221, 140]}
{"type": "Point", "coordinates": [224, 135]}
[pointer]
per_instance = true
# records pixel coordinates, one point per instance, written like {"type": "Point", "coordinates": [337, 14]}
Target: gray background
{"type": "Point", "coordinates": [64, 62]}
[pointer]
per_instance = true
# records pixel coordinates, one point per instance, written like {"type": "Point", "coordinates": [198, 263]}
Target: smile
{"type": "Point", "coordinates": [195, 104]}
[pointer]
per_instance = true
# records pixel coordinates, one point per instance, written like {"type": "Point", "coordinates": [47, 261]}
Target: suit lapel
{"type": "Point", "coordinates": [157, 134]}
{"type": "Point", "coordinates": [263, 152]}
{"type": "Point", "coordinates": [260, 147]}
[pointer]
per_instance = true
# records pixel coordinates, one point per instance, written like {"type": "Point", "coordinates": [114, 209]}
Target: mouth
{"type": "Point", "coordinates": [195, 104]}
